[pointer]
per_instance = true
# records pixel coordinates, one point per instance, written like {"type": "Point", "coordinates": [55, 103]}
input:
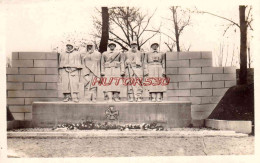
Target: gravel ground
{"type": "Point", "coordinates": [132, 146]}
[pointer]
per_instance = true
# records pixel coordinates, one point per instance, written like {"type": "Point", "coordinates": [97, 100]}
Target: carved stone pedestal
{"type": "Point", "coordinates": [169, 114]}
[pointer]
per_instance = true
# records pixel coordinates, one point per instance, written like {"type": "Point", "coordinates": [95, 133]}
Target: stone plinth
{"type": "Point", "coordinates": [169, 114]}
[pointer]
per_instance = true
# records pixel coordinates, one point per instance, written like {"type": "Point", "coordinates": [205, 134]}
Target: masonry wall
{"type": "Point", "coordinates": [32, 77]}
{"type": "Point", "coordinates": [194, 79]}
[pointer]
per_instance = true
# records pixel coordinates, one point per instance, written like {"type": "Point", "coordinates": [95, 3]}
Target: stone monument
{"type": "Point", "coordinates": [119, 74]}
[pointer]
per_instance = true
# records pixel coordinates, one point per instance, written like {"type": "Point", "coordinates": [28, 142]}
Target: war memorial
{"type": "Point", "coordinates": [174, 89]}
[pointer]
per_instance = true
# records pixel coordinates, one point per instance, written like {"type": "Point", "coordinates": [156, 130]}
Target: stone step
{"type": "Point", "coordinates": [86, 134]}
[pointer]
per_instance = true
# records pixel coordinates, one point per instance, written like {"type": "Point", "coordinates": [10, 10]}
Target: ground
{"type": "Point", "coordinates": [129, 146]}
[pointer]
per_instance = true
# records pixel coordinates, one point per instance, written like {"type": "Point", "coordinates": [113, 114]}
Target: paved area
{"type": "Point", "coordinates": [129, 146]}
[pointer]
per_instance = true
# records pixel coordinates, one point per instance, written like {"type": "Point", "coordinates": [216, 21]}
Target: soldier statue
{"type": "Point", "coordinates": [155, 63]}
{"type": "Point", "coordinates": [112, 66]}
{"type": "Point", "coordinates": [134, 71]}
{"type": "Point", "coordinates": [69, 73]}
{"type": "Point", "coordinates": [91, 70]}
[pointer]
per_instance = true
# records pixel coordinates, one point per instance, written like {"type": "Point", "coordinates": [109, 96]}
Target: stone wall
{"type": "Point", "coordinates": [33, 77]}
{"type": "Point", "coordinates": [194, 79]}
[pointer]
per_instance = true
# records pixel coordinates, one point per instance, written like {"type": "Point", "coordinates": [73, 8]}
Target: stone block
{"type": "Point", "coordinates": [32, 55]}
{"type": "Point", "coordinates": [15, 56]}
{"type": "Point", "coordinates": [198, 123]}
{"type": "Point", "coordinates": [14, 86]}
{"type": "Point", "coordinates": [189, 55]}
{"type": "Point", "coordinates": [193, 100]}
{"type": "Point", "coordinates": [49, 114]}
{"type": "Point", "coordinates": [212, 70]}
{"type": "Point", "coordinates": [201, 92]}
{"type": "Point", "coordinates": [170, 71]}
{"type": "Point", "coordinates": [22, 63]}
{"type": "Point", "coordinates": [179, 63]}
{"type": "Point", "coordinates": [172, 99]}
{"type": "Point", "coordinates": [28, 116]}
{"type": "Point", "coordinates": [178, 93]}
{"type": "Point", "coordinates": [20, 78]}
{"type": "Point", "coordinates": [55, 71]}
{"type": "Point", "coordinates": [211, 100]}
{"type": "Point", "coordinates": [203, 108]}
{"type": "Point", "coordinates": [34, 86]}
{"type": "Point", "coordinates": [52, 56]}
{"type": "Point", "coordinates": [229, 70]}
{"type": "Point", "coordinates": [45, 63]}
{"type": "Point", "coordinates": [224, 76]}
{"type": "Point", "coordinates": [188, 85]}
{"type": "Point", "coordinates": [29, 101]}
{"type": "Point", "coordinates": [202, 77]}
{"type": "Point", "coordinates": [171, 56]}
{"type": "Point", "coordinates": [33, 93]}
{"type": "Point", "coordinates": [199, 115]}
{"type": "Point", "coordinates": [32, 71]}
{"type": "Point", "coordinates": [237, 126]}
{"type": "Point", "coordinates": [46, 78]}
{"type": "Point", "coordinates": [189, 70]}
{"type": "Point", "coordinates": [172, 86]}
{"type": "Point", "coordinates": [206, 54]}
{"type": "Point", "coordinates": [11, 71]}
{"type": "Point", "coordinates": [219, 92]}
{"type": "Point", "coordinates": [21, 109]}
{"type": "Point", "coordinates": [178, 78]}
{"type": "Point", "coordinates": [52, 86]}
{"type": "Point", "coordinates": [213, 84]}
{"type": "Point", "coordinates": [15, 101]}
{"type": "Point", "coordinates": [18, 116]}
{"type": "Point", "coordinates": [201, 63]}
{"type": "Point", "coordinates": [230, 83]}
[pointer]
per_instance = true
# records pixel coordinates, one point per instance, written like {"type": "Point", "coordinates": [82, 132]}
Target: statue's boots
{"type": "Point", "coordinates": [76, 100]}
{"type": "Point", "coordinates": [66, 98]}
{"type": "Point", "coordinates": [131, 97]}
{"type": "Point", "coordinates": [116, 97]}
{"type": "Point", "coordinates": [159, 97]}
{"type": "Point", "coordinates": [153, 97]}
{"type": "Point", "coordinates": [139, 99]}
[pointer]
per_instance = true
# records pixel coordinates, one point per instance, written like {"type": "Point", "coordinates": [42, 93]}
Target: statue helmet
{"type": "Point", "coordinates": [133, 43]}
{"type": "Point", "coordinates": [155, 43]}
{"type": "Point", "coordinates": [111, 43]}
{"type": "Point", "coordinates": [89, 43]}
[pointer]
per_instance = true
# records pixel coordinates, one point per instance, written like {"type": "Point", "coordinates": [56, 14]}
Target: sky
{"type": "Point", "coordinates": [41, 25]}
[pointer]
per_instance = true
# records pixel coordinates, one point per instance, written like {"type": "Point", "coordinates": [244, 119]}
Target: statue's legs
{"type": "Point", "coordinates": [66, 97]}
{"type": "Point", "coordinates": [159, 96]}
{"type": "Point", "coordinates": [110, 96]}
{"type": "Point", "coordinates": [93, 94]}
{"type": "Point", "coordinates": [75, 96]}
{"type": "Point", "coordinates": [116, 96]}
{"type": "Point", "coordinates": [153, 94]}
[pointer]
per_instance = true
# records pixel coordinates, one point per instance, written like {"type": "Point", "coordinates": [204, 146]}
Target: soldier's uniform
{"type": "Point", "coordinates": [69, 68]}
{"type": "Point", "coordinates": [112, 66]}
{"type": "Point", "coordinates": [155, 63]}
{"type": "Point", "coordinates": [134, 71]}
{"type": "Point", "coordinates": [90, 71]}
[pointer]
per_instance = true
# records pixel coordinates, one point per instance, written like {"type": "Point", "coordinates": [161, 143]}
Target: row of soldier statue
{"type": "Point", "coordinates": [90, 65]}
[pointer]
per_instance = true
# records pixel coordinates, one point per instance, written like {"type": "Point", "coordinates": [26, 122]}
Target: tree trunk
{"type": "Point", "coordinates": [243, 46]}
{"type": "Point", "coordinates": [105, 26]}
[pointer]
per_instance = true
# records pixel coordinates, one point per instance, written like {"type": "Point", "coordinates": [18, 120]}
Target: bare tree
{"type": "Point", "coordinates": [105, 32]}
{"type": "Point", "coordinates": [180, 19]}
{"type": "Point", "coordinates": [244, 22]}
{"type": "Point", "coordinates": [127, 24]}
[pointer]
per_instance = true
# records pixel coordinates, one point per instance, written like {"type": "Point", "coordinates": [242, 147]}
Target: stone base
{"type": "Point", "coordinates": [169, 114]}
{"type": "Point", "coordinates": [238, 126]}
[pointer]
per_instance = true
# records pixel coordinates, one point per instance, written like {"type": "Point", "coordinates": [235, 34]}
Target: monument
{"type": "Point", "coordinates": [116, 74]}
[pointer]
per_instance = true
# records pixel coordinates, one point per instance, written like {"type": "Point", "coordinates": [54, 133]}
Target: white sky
{"type": "Point", "coordinates": [37, 26]}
